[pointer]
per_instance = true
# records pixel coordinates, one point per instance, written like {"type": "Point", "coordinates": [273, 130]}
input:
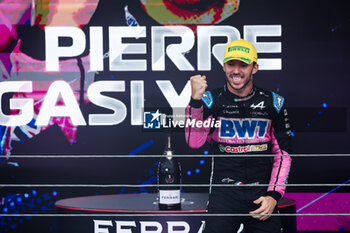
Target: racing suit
{"type": "Point", "coordinates": [255, 124]}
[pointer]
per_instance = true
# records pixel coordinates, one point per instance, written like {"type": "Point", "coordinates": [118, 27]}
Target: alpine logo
{"type": "Point", "coordinates": [259, 105]}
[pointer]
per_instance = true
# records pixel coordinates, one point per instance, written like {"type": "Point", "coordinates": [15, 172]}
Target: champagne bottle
{"type": "Point", "coordinates": [169, 172]}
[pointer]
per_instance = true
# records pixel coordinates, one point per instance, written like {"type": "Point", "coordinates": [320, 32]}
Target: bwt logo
{"type": "Point", "coordinates": [242, 129]}
{"type": "Point", "coordinates": [151, 120]}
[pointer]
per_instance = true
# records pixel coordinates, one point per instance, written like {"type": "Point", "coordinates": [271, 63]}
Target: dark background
{"type": "Point", "coordinates": [315, 56]}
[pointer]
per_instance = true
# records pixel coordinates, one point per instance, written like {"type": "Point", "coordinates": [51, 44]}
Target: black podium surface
{"type": "Point", "coordinates": [132, 203]}
{"type": "Point", "coordinates": [129, 213]}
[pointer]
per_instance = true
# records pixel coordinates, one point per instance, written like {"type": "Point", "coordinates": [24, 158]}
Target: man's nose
{"type": "Point", "coordinates": [235, 69]}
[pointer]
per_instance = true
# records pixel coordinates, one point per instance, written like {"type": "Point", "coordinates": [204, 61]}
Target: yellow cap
{"type": "Point", "coordinates": [241, 50]}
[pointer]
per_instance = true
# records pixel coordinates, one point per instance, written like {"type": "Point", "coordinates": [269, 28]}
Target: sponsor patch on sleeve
{"type": "Point", "coordinates": [278, 102]}
{"type": "Point", "coordinates": [207, 98]}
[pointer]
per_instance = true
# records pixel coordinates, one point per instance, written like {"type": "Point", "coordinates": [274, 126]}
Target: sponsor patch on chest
{"type": "Point", "coordinates": [250, 128]}
{"type": "Point", "coordinates": [242, 149]}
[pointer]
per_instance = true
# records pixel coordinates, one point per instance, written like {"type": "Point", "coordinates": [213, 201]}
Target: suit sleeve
{"type": "Point", "coordinates": [281, 145]}
{"type": "Point", "coordinates": [197, 134]}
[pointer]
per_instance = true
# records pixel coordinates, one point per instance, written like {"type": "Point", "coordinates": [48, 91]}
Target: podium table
{"type": "Point", "coordinates": [130, 213]}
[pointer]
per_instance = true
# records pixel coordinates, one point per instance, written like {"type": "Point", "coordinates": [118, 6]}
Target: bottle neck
{"type": "Point", "coordinates": [168, 154]}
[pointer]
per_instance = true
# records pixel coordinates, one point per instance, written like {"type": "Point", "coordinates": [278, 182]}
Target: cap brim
{"type": "Point", "coordinates": [248, 61]}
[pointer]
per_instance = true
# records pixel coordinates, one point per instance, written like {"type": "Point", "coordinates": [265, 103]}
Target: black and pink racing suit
{"type": "Point", "coordinates": [255, 124]}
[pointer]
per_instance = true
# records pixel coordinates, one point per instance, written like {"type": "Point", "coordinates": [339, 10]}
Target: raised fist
{"type": "Point", "coordinates": [198, 84]}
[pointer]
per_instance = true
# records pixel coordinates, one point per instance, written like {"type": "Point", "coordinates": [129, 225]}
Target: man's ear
{"type": "Point", "coordinates": [255, 68]}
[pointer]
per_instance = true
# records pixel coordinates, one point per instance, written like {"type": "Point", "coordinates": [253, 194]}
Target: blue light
{"type": "Point", "coordinates": [201, 162]}
{"type": "Point", "coordinates": [26, 195]}
{"type": "Point", "coordinates": [206, 152]}
{"type": "Point", "coordinates": [34, 192]}
{"type": "Point", "coordinates": [54, 193]}
{"type": "Point", "coordinates": [308, 124]}
{"type": "Point", "coordinates": [19, 199]}
{"type": "Point", "coordinates": [325, 105]}
{"type": "Point", "coordinates": [320, 113]}
{"type": "Point", "coordinates": [142, 147]}
{"type": "Point", "coordinates": [292, 134]}
{"type": "Point", "coordinates": [197, 170]}
{"type": "Point", "coordinates": [5, 210]}
{"type": "Point", "coordinates": [189, 173]}
{"type": "Point", "coordinates": [12, 204]}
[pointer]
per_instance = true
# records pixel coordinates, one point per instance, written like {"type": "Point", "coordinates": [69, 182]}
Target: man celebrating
{"type": "Point", "coordinates": [252, 121]}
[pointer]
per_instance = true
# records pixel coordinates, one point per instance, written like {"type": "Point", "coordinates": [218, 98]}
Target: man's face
{"type": "Point", "coordinates": [239, 76]}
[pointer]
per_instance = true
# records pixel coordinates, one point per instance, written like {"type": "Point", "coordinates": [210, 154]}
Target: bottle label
{"type": "Point", "coordinates": [169, 196]}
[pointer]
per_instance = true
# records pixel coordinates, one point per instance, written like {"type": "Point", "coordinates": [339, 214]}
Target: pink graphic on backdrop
{"type": "Point", "coordinates": [333, 203]}
{"type": "Point", "coordinates": [18, 66]}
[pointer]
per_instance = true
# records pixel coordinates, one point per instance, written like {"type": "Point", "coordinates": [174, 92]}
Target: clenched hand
{"type": "Point", "coordinates": [198, 85]}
